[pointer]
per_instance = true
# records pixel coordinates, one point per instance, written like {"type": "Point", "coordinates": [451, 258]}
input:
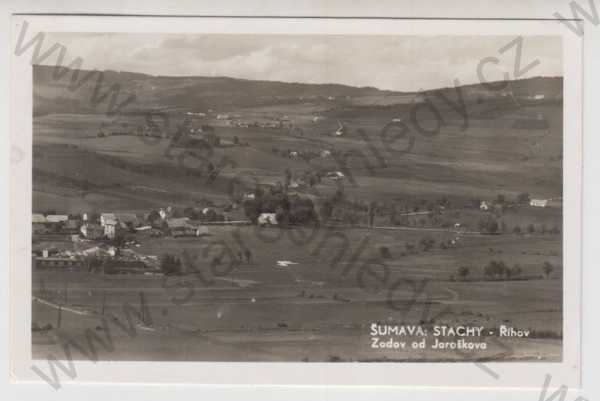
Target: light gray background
{"type": "Point", "coordinates": [454, 9]}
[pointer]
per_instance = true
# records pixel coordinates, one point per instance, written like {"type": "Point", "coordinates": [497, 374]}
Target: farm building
{"type": "Point", "coordinates": [129, 219]}
{"type": "Point", "coordinates": [122, 266]}
{"type": "Point", "coordinates": [57, 218]}
{"type": "Point", "coordinates": [113, 228]}
{"type": "Point", "coordinates": [335, 175]}
{"type": "Point", "coordinates": [267, 219]}
{"type": "Point", "coordinates": [181, 227]}
{"type": "Point", "coordinates": [201, 231]}
{"type": "Point", "coordinates": [92, 231]}
{"type": "Point", "coordinates": [107, 217]}
{"type": "Point", "coordinates": [55, 263]}
{"type": "Point", "coordinates": [38, 218]}
{"type": "Point", "coordinates": [183, 231]}
{"type": "Point", "coordinates": [538, 202]}
{"type": "Point", "coordinates": [175, 222]}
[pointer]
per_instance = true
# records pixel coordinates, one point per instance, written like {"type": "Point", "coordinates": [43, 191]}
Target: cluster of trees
{"type": "Point", "coordinates": [289, 209]}
{"type": "Point", "coordinates": [426, 243]}
{"type": "Point", "coordinates": [304, 154]}
{"type": "Point", "coordinates": [488, 224]}
{"type": "Point", "coordinates": [205, 215]}
{"type": "Point", "coordinates": [532, 229]}
{"type": "Point", "coordinates": [339, 208]}
{"type": "Point", "coordinates": [170, 264]}
{"type": "Point", "coordinates": [499, 270]}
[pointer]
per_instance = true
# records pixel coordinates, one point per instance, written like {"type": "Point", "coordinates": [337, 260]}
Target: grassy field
{"type": "Point", "coordinates": [262, 311]}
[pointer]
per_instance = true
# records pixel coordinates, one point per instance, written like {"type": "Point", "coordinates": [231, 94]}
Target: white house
{"type": "Point", "coordinates": [107, 218]}
{"type": "Point", "coordinates": [267, 219]}
{"type": "Point", "coordinates": [335, 175]}
{"type": "Point", "coordinates": [38, 218]}
{"type": "Point", "coordinates": [538, 202]}
{"type": "Point", "coordinates": [56, 218]}
{"type": "Point", "coordinates": [92, 231]}
{"type": "Point", "coordinates": [483, 205]}
{"type": "Point", "coordinates": [201, 231]}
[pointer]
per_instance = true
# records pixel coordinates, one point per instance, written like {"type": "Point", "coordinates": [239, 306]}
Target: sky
{"type": "Point", "coordinates": [402, 63]}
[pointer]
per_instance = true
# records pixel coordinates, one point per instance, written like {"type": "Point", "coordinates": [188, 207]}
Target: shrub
{"type": "Point", "coordinates": [385, 253]}
{"type": "Point", "coordinates": [463, 272]}
{"type": "Point", "coordinates": [427, 243]}
{"type": "Point", "coordinates": [547, 268]}
{"type": "Point", "coordinates": [170, 264]}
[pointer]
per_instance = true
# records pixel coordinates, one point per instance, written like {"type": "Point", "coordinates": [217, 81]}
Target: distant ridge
{"type": "Point", "coordinates": [52, 95]}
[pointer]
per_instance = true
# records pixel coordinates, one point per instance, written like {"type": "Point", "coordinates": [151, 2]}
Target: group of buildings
{"type": "Point", "coordinates": [116, 225]}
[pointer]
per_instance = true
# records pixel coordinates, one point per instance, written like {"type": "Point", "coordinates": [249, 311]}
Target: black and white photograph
{"type": "Point", "coordinates": [299, 198]}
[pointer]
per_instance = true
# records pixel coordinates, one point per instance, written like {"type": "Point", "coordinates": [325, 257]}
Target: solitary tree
{"type": "Point", "coordinates": [170, 264]}
{"type": "Point", "coordinates": [463, 272]}
{"type": "Point", "coordinates": [248, 255]}
{"type": "Point", "coordinates": [385, 252]}
{"type": "Point", "coordinates": [523, 197]}
{"type": "Point", "coordinates": [547, 268]}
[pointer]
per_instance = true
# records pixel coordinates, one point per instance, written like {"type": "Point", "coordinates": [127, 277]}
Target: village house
{"type": "Point", "coordinates": [107, 217]}
{"type": "Point", "coordinates": [202, 231]}
{"type": "Point", "coordinates": [57, 218]}
{"type": "Point", "coordinates": [124, 266]}
{"type": "Point", "coordinates": [38, 218]}
{"type": "Point", "coordinates": [267, 219]}
{"type": "Point", "coordinates": [114, 228]}
{"type": "Point", "coordinates": [335, 175]}
{"type": "Point", "coordinates": [92, 231]}
{"type": "Point", "coordinates": [484, 206]}
{"type": "Point", "coordinates": [181, 227]}
{"type": "Point", "coordinates": [129, 219]}
{"type": "Point", "coordinates": [538, 202]}
{"type": "Point", "coordinates": [55, 262]}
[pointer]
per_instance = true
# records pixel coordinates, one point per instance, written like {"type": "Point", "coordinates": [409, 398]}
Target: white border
{"type": "Point", "coordinates": [414, 374]}
{"type": "Point", "coordinates": [457, 8]}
